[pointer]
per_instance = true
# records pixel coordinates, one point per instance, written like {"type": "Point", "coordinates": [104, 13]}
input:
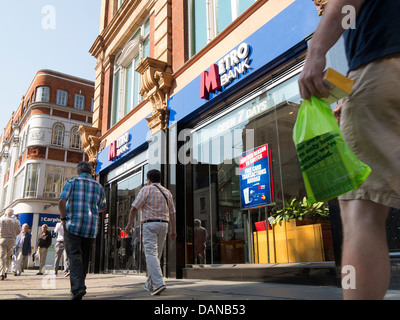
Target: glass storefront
{"type": "Point", "coordinates": [218, 231]}
{"type": "Point", "coordinates": [122, 251]}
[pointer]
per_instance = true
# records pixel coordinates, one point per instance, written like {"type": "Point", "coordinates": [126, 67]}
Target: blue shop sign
{"type": "Point", "coordinates": [50, 219]}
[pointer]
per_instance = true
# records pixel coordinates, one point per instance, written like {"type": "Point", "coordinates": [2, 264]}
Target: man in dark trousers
{"type": "Point", "coordinates": [44, 242]}
{"type": "Point", "coordinates": [80, 203]}
{"type": "Point", "coordinates": [369, 122]}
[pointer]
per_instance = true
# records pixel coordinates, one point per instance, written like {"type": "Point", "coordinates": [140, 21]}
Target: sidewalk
{"type": "Point", "coordinates": [29, 286]}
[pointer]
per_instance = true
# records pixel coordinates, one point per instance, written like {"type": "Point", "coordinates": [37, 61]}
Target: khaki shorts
{"type": "Point", "coordinates": [370, 124]}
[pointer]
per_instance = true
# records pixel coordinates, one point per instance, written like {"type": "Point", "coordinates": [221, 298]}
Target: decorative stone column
{"type": "Point", "coordinates": [156, 85]}
{"type": "Point", "coordinates": [90, 143]}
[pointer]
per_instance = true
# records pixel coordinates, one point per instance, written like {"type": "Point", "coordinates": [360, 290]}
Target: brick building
{"type": "Point", "coordinates": [188, 87]}
{"type": "Point", "coordinates": [41, 146]}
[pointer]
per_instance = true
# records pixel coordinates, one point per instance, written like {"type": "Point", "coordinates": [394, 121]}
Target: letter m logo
{"type": "Point", "coordinates": [112, 152]}
{"type": "Point", "coordinates": [210, 82]}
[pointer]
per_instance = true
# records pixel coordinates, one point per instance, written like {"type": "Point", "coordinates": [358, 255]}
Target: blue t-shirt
{"type": "Point", "coordinates": [377, 32]}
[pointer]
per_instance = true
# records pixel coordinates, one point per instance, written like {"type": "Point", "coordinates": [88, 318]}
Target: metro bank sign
{"type": "Point", "coordinates": [227, 69]}
{"type": "Point", "coordinates": [119, 147]}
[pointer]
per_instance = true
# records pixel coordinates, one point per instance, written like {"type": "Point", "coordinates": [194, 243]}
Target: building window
{"type": "Point", "coordinates": [126, 80]}
{"type": "Point", "coordinates": [58, 135]}
{"type": "Point", "coordinates": [56, 177]}
{"type": "Point", "coordinates": [119, 3]}
{"type": "Point", "coordinates": [18, 185]}
{"type": "Point", "coordinates": [42, 94]}
{"type": "Point", "coordinates": [31, 180]}
{"type": "Point", "coordinates": [208, 18]}
{"type": "Point", "coordinates": [75, 142]}
{"type": "Point", "coordinates": [92, 105]}
{"type": "Point", "coordinates": [79, 102]}
{"type": "Point", "coordinates": [62, 97]}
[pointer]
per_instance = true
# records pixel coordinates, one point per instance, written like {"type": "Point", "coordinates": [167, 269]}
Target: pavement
{"type": "Point", "coordinates": [30, 286]}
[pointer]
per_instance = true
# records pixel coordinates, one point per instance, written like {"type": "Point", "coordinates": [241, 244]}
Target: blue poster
{"type": "Point", "coordinates": [255, 181]}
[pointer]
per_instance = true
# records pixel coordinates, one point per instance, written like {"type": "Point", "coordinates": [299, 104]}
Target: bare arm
{"type": "Point", "coordinates": [62, 203]}
{"type": "Point", "coordinates": [132, 216]}
{"type": "Point", "coordinates": [327, 34]}
{"type": "Point", "coordinates": [172, 221]}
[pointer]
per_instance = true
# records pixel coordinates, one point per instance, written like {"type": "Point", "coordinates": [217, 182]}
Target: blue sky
{"type": "Point", "coordinates": [27, 44]}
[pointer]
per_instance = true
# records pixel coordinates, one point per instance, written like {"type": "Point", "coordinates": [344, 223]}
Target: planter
{"type": "Point", "coordinates": [289, 242]}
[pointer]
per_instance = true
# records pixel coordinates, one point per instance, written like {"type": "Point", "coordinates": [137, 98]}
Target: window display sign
{"type": "Point", "coordinates": [255, 178]}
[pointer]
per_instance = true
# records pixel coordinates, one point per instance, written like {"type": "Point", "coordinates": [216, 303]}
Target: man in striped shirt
{"type": "Point", "coordinates": [157, 206]}
{"type": "Point", "coordinates": [79, 204]}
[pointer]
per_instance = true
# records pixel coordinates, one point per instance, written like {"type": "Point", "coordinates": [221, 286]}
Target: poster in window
{"type": "Point", "coordinates": [255, 178]}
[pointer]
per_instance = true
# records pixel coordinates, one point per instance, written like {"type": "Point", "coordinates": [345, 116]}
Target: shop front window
{"type": "Point", "coordinates": [123, 251]}
{"type": "Point", "coordinates": [219, 230]}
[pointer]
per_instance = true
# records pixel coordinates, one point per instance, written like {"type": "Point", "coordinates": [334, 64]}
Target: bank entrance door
{"type": "Point", "coordinates": [123, 252]}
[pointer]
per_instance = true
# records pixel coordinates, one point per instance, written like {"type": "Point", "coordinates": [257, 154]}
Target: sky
{"type": "Point", "coordinates": [43, 34]}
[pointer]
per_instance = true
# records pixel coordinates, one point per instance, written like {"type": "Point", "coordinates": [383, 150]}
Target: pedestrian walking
{"type": "Point", "coordinates": [22, 249]}
{"type": "Point", "coordinates": [44, 242]}
{"type": "Point", "coordinates": [9, 229]}
{"type": "Point", "coordinates": [158, 210]}
{"type": "Point", "coordinates": [60, 250]}
{"type": "Point", "coordinates": [369, 121]}
{"type": "Point", "coordinates": [79, 204]}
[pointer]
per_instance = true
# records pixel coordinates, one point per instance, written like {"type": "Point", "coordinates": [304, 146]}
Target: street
{"type": "Point", "coordinates": [29, 286]}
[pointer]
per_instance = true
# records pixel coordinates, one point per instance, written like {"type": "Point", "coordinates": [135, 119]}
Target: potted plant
{"type": "Point", "coordinates": [300, 210]}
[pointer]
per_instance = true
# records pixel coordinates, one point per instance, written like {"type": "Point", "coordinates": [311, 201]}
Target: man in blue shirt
{"type": "Point", "coordinates": [79, 204]}
{"type": "Point", "coordinates": [369, 122]}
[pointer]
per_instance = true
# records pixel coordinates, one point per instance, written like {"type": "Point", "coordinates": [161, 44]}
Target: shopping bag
{"type": "Point", "coordinates": [328, 166]}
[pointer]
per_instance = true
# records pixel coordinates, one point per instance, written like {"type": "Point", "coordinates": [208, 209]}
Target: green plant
{"type": "Point", "coordinates": [295, 209]}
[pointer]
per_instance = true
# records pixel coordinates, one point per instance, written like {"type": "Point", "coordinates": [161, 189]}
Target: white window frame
{"type": "Point", "coordinates": [42, 94]}
{"type": "Point", "coordinates": [57, 136]}
{"type": "Point", "coordinates": [79, 101]}
{"type": "Point", "coordinates": [62, 97]}
{"type": "Point", "coordinates": [33, 190]}
{"type": "Point", "coordinates": [132, 50]}
{"type": "Point", "coordinates": [212, 18]}
{"type": "Point", "coordinates": [75, 139]}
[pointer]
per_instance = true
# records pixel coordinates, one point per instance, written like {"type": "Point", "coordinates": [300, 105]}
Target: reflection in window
{"type": "Point", "coordinates": [42, 94]}
{"type": "Point", "coordinates": [214, 183]}
{"type": "Point", "coordinates": [75, 142]}
{"type": "Point", "coordinates": [126, 80]}
{"type": "Point", "coordinates": [56, 177]}
{"type": "Point", "coordinates": [62, 97]}
{"type": "Point", "coordinates": [79, 102]}
{"type": "Point", "coordinates": [31, 181]}
{"type": "Point", "coordinates": [208, 18]}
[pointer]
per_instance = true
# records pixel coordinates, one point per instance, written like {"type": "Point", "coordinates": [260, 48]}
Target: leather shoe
{"type": "Point", "coordinates": [79, 295]}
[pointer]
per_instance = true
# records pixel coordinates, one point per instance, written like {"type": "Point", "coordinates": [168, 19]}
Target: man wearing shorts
{"type": "Point", "coordinates": [370, 124]}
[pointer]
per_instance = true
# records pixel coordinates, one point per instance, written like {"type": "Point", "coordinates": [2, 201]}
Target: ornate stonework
{"type": "Point", "coordinates": [320, 6]}
{"type": "Point", "coordinates": [156, 84]}
{"type": "Point", "coordinates": [90, 142]}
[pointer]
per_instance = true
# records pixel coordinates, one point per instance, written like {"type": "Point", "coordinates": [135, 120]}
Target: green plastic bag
{"type": "Point", "coordinates": [329, 167]}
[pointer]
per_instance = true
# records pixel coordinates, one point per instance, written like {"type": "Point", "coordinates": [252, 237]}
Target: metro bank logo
{"type": "Point", "coordinates": [229, 68]}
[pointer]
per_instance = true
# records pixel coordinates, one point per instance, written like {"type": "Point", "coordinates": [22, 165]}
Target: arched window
{"type": "Point", "coordinates": [75, 142]}
{"type": "Point", "coordinates": [58, 135]}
